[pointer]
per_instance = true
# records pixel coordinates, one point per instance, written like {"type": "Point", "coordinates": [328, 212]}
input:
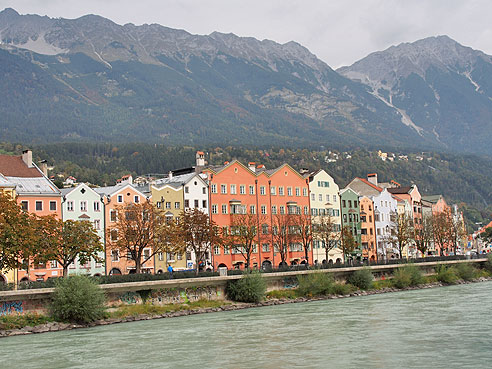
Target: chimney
{"type": "Point", "coordinates": [170, 174]}
{"type": "Point", "coordinates": [373, 178]}
{"type": "Point", "coordinates": [200, 159]}
{"type": "Point", "coordinates": [27, 158]}
{"type": "Point", "coordinates": [252, 166]}
{"type": "Point", "coordinates": [43, 165]}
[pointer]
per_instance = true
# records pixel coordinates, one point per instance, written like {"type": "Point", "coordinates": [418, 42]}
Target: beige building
{"type": "Point", "coordinates": [169, 198]}
{"type": "Point", "coordinates": [324, 203]}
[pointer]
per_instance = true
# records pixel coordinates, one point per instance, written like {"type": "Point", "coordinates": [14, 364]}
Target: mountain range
{"type": "Point", "coordinates": [90, 79]}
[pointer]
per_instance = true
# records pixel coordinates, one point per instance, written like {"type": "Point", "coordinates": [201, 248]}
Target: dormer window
{"type": "Point", "coordinates": [120, 198]}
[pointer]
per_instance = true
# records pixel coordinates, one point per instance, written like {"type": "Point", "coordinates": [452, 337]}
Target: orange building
{"type": "Point", "coordinates": [36, 194]}
{"type": "Point", "coordinates": [368, 230]}
{"type": "Point", "coordinates": [239, 189]}
{"type": "Point", "coordinates": [115, 196]}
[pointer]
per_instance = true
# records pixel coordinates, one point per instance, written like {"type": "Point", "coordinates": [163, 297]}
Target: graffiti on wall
{"type": "Point", "coordinates": [130, 298]}
{"type": "Point", "coordinates": [11, 307]}
{"type": "Point", "coordinates": [174, 295]}
{"type": "Point", "coordinates": [290, 282]}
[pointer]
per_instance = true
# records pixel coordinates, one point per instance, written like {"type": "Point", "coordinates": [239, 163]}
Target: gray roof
{"type": "Point", "coordinates": [4, 182]}
{"type": "Point", "coordinates": [34, 185]}
{"type": "Point", "coordinates": [176, 181]}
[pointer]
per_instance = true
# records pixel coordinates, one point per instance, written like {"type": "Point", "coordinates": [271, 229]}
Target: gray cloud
{"type": "Point", "coordinates": [337, 31]}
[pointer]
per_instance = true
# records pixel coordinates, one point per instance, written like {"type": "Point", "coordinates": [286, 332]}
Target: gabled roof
{"type": "Point", "coordinates": [14, 166]}
{"type": "Point", "coordinates": [400, 190]}
{"type": "Point", "coordinates": [365, 181]}
{"type": "Point", "coordinates": [432, 198]}
{"type": "Point", "coordinates": [111, 190]}
{"type": "Point", "coordinates": [67, 191]}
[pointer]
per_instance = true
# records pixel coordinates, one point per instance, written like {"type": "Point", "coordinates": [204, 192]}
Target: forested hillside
{"type": "Point", "coordinates": [462, 179]}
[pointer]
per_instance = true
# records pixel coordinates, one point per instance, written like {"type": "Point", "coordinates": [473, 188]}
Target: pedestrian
{"type": "Point", "coordinates": [170, 270]}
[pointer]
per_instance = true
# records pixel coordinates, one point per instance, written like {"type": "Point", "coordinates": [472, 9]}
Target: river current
{"type": "Point", "coordinates": [449, 327]}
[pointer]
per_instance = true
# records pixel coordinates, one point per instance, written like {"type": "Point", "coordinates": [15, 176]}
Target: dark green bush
{"type": "Point", "coordinates": [446, 274]}
{"type": "Point", "coordinates": [250, 288]}
{"type": "Point", "coordinates": [361, 278]}
{"type": "Point", "coordinates": [77, 299]}
{"type": "Point", "coordinates": [466, 271]}
{"type": "Point", "coordinates": [315, 284]}
{"type": "Point", "coordinates": [488, 263]}
{"type": "Point", "coordinates": [409, 275]}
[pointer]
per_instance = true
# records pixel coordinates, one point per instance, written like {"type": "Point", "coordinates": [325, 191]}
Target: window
{"type": "Point", "coordinates": [204, 204]}
{"type": "Point", "coordinates": [223, 189]}
{"type": "Point", "coordinates": [177, 205]}
{"type": "Point", "coordinates": [304, 192]}
{"type": "Point", "coordinates": [355, 203]}
{"type": "Point", "coordinates": [213, 188]}
{"type": "Point", "coordinates": [320, 197]}
{"type": "Point", "coordinates": [216, 250]}
{"type": "Point", "coordinates": [214, 208]}
{"type": "Point", "coordinates": [334, 198]}
{"type": "Point", "coordinates": [262, 190]}
{"type": "Point", "coordinates": [370, 218]}
{"type": "Point", "coordinates": [289, 191]}
{"type": "Point", "coordinates": [168, 204]}
{"type": "Point", "coordinates": [274, 209]}
{"type": "Point", "coordinates": [159, 205]}
{"type": "Point", "coordinates": [136, 199]}
{"type": "Point", "coordinates": [25, 205]}
{"type": "Point", "coordinates": [160, 256]}
{"type": "Point", "coordinates": [39, 206]}
{"type": "Point", "coordinates": [187, 189]}
{"type": "Point", "coordinates": [265, 247]}
{"type": "Point", "coordinates": [306, 210]}
{"type": "Point", "coordinates": [97, 224]}
{"type": "Point", "coordinates": [313, 197]}
{"type": "Point", "coordinates": [83, 206]}
{"type": "Point", "coordinates": [263, 209]}
{"type": "Point", "coordinates": [114, 235]}
{"type": "Point", "coordinates": [52, 205]}
{"type": "Point", "coordinates": [242, 189]}
{"type": "Point", "coordinates": [273, 190]}
{"type": "Point", "coordinates": [112, 215]}
{"type": "Point", "coordinates": [69, 205]}
{"type": "Point", "coordinates": [233, 189]}
{"type": "Point", "coordinates": [252, 209]}
{"type": "Point", "coordinates": [97, 206]}
{"type": "Point", "coordinates": [281, 191]}
{"type": "Point", "coordinates": [282, 209]}
{"type": "Point", "coordinates": [251, 189]}
{"type": "Point", "coordinates": [224, 209]}
{"type": "Point", "coordinates": [170, 256]}
{"type": "Point", "coordinates": [298, 191]}
{"type": "Point", "coordinates": [197, 203]}
{"type": "Point", "coordinates": [187, 203]}
{"type": "Point", "coordinates": [120, 198]}
{"type": "Point", "coordinates": [350, 203]}
{"type": "Point", "coordinates": [264, 228]}
{"type": "Point", "coordinates": [53, 264]}
{"type": "Point", "coordinates": [344, 204]}
{"type": "Point", "coordinates": [204, 190]}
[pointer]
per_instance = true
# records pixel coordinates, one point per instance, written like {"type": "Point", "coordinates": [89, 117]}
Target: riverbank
{"type": "Point", "coordinates": [189, 309]}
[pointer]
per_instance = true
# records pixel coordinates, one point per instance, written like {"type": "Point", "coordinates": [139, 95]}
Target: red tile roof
{"type": "Point", "coordinates": [14, 166]}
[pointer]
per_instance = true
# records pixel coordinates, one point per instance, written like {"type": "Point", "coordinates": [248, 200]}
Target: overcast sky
{"type": "Point", "coordinates": [338, 31]}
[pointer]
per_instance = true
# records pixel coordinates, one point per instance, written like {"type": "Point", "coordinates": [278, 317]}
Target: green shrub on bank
{"type": "Point", "coordinates": [343, 289]}
{"type": "Point", "coordinates": [466, 271]}
{"type": "Point", "coordinates": [361, 278]}
{"type": "Point", "coordinates": [445, 274]}
{"type": "Point", "coordinates": [488, 263]}
{"type": "Point", "coordinates": [407, 276]}
{"type": "Point", "coordinates": [250, 288]}
{"type": "Point", "coordinates": [18, 321]}
{"type": "Point", "coordinates": [77, 299]}
{"type": "Point", "coordinates": [315, 284]}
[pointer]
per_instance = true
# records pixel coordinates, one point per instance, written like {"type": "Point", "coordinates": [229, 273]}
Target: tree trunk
{"type": "Point", "coordinates": [138, 267]}
{"type": "Point", "coordinates": [65, 271]}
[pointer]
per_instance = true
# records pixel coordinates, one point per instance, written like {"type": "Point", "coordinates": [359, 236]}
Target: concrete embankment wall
{"type": "Point", "coordinates": [192, 289]}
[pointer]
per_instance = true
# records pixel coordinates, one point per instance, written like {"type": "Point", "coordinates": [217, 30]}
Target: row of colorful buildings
{"type": "Point", "coordinates": [365, 206]}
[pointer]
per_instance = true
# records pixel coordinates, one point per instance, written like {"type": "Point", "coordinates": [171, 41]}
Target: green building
{"type": "Point", "coordinates": [349, 209]}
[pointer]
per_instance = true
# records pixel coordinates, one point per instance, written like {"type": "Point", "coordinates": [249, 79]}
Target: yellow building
{"type": "Point", "coordinates": [169, 198]}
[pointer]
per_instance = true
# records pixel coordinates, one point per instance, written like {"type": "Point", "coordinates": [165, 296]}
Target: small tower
{"type": "Point", "coordinates": [200, 159]}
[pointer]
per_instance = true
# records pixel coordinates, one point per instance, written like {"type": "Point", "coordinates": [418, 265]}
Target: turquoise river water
{"type": "Point", "coordinates": [449, 327]}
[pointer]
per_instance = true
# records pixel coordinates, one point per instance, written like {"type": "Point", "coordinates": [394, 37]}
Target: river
{"type": "Point", "coordinates": [449, 327]}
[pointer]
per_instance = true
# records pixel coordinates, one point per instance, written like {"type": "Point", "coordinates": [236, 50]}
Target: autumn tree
{"type": "Point", "coordinates": [456, 229]}
{"type": "Point", "coordinates": [66, 241]}
{"type": "Point", "coordinates": [348, 242]}
{"type": "Point", "coordinates": [440, 230]}
{"type": "Point", "coordinates": [243, 235]}
{"type": "Point", "coordinates": [198, 233]}
{"type": "Point", "coordinates": [18, 238]}
{"type": "Point", "coordinates": [326, 230]}
{"type": "Point", "coordinates": [141, 231]}
{"type": "Point", "coordinates": [423, 234]}
{"type": "Point", "coordinates": [282, 235]}
{"type": "Point", "coordinates": [304, 229]}
{"type": "Point", "coordinates": [402, 233]}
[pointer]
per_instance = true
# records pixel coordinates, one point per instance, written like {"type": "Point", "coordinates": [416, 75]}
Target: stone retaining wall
{"type": "Point", "coordinates": [164, 292]}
